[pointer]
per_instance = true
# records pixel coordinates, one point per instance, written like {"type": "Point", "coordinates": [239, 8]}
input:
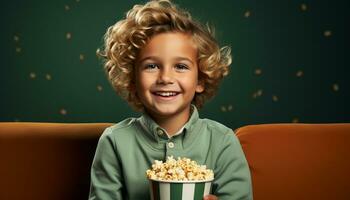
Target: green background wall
{"type": "Point", "coordinates": [289, 61]}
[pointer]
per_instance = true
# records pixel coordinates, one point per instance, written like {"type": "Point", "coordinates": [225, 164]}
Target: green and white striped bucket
{"type": "Point", "coordinates": [179, 190]}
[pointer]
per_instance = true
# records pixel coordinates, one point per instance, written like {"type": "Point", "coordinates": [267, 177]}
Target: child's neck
{"type": "Point", "coordinates": [172, 124]}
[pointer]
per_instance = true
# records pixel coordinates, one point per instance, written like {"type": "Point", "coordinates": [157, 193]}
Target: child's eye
{"type": "Point", "coordinates": [181, 67]}
{"type": "Point", "coordinates": [151, 66]}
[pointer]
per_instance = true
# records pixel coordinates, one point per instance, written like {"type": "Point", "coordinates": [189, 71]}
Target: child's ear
{"type": "Point", "coordinates": [200, 87]}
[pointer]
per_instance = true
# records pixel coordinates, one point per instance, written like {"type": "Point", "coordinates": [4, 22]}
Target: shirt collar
{"type": "Point", "coordinates": [159, 133]}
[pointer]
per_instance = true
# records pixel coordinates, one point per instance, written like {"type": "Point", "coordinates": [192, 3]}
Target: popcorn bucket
{"type": "Point", "coordinates": [179, 190]}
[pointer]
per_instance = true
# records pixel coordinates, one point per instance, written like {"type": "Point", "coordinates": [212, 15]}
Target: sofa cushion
{"type": "Point", "coordinates": [298, 161]}
{"type": "Point", "coordinates": [47, 160]}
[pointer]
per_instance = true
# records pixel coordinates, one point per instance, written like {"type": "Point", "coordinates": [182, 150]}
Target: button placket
{"type": "Point", "coordinates": [160, 132]}
{"type": "Point", "coordinates": [171, 145]}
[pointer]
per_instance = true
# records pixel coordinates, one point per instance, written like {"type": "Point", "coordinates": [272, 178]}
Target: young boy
{"type": "Point", "coordinates": [165, 65]}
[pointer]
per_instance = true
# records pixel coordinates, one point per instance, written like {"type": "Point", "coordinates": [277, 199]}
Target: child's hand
{"type": "Point", "coordinates": [210, 197]}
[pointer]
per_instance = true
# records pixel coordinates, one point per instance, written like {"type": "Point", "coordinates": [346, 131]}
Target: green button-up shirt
{"type": "Point", "coordinates": [126, 150]}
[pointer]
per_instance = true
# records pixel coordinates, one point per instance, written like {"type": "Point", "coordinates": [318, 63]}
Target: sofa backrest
{"type": "Point", "coordinates": [298, 161]}
{"type": "Point", "coordinates": [47, 161]}
{"type": "Point", "coordinates": [52, 161]}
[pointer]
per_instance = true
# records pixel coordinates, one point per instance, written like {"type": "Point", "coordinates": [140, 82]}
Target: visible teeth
{"type": "Point", "coordinates": [166, 94]}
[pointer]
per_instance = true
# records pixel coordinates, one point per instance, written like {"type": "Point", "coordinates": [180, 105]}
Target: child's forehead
{"type": "Point", "coordinates": [170, 45]}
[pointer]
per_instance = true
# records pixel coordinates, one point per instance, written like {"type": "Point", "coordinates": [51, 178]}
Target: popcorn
{"type": "Point", "coordinates": [182, 169]}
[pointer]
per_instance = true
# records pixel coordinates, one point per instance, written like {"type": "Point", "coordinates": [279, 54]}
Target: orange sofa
{"type": "Point", "coordinates": [51, 161]}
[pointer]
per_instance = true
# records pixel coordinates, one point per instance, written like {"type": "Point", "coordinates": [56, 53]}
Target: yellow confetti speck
{"type": "Point", "coordinates": [66, 7]}
{"type": "Point", "coordinates": [303, 7]}
{"type": "Point", "coordinates": [77, 1]}
{"type": "Point", "coordinates": [81, 57]}
{"type": "Point", "coordinates": [18, 49]}
{"type": "Point", "coordinates": [223, 109]}
{"type": "Point", "coordinates": [258, 71]}
{"type": "Point", "coordinates": [68, 36]}
{"type": "Point", "coordinates": [16, 38]}
{"type": "Point", "coordinates": [274, 98]}
{"type": "Point", "coordinates": [247, 14]}
{"type": "Point", "coordinates": [299, 73]}
{"type": "Point", "coordinates": [259, 92]}
{"type": "Point", "coordinates": [327, 33]}
{"type": "Point", "coordinates": [63, 111]}
{"type": "Point", "coordinates": [230, 107]}
{"type": "Point", "coordinates": [48, 76]}
{"type": "Point", "coordinates": [99, 88]}
{"type": "Point", "coordinates": [295, 120]}
{"type": "Point", "coordinates": [32, 75]}
{"type": "Point", "coordinates": [335, 87]}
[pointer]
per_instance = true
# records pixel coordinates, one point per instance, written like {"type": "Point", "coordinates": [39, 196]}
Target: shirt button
{"type": "Point", "coordinates": [159, 132]}
{"type": "Point", "coordinates": [171, 145]}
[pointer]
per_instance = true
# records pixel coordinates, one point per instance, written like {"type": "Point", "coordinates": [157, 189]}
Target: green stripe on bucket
{"type": "Point", "coordinates": [199, 191]}
{"type": "Point", "coordinates": [175, 191]}
{"type": "Point", "coordinates": [156, 192]}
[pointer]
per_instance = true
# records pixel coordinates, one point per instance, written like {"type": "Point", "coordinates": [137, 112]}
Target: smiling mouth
{"type": "Point", "coordinates": [166, 94]}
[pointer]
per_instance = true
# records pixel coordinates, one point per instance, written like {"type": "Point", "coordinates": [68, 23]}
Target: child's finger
{"type": "Point", "coordinates": [210, 197]}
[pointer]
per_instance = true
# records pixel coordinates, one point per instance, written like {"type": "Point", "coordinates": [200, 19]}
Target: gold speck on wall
{"type": "Point", "coordinates": [327, 33]}
{"type": "Point", "coordinates": [223, 109]}
{"type": "Point", "coordinates": [275, 98]}
{"type": "Point", "coordinates": [63, 111]}
{"type": "Point", "coordinates": [299, 73]}
{"type": "Point", "coordinates": [247, 14]}
{"type": "Point", "coordinates": [226, 108]}
{"type": "Point", "coordinates": [258, 71]}
{"type": "Point", "coordinates": [48, 77]}
{"type": "Point", "coordinates": [66, 7]}
{"type": "Point", "coordinates": [18, 49]}
{"type": "Point", "coordinates": [335, 87]}
{"type": "Point", "coordinates": [257, 93]}
{"type": "Point", "coordinates": [295, 120]}
{"type": "Point", "coordinates": [16, 38]}
{"type": "Point", "coordinates": [303, 7]}
{"type": "Point", "coordinates": [68, 36]}
{"type": "Point", "coordinates": [32, 75]}
{"type": "Point", "coordinates": [81, 57]}
{"type": "Point", "coordinates": [99, 88]}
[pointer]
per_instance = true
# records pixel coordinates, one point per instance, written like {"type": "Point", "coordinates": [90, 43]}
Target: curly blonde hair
{"type": "Point", "coordinates": [123, 41]}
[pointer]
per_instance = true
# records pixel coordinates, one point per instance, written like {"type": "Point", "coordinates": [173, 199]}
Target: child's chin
{"type": "Point", "coordinates": [166, 110]}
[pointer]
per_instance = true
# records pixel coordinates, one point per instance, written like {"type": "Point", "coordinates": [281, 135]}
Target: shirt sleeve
{"type": "Point", "coordinates": [232, 174]}
{"type": "Point", "coordinates": [106, 176]}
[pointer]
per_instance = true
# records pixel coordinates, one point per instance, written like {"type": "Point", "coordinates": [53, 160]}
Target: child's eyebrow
{"type": "Point", "coordinates": [157, 59]}
{"type": "Point", "coordinates": [184, 58]}
{"type": "Point", "coordinates": [149, 58]}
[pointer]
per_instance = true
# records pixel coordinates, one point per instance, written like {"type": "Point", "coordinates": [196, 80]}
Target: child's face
{"type": "Point", "coordinates": [167, 74]}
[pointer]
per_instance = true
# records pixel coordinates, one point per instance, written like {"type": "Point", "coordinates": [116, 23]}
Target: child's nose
{"type": "Point", "coordinates": [165, 77]}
